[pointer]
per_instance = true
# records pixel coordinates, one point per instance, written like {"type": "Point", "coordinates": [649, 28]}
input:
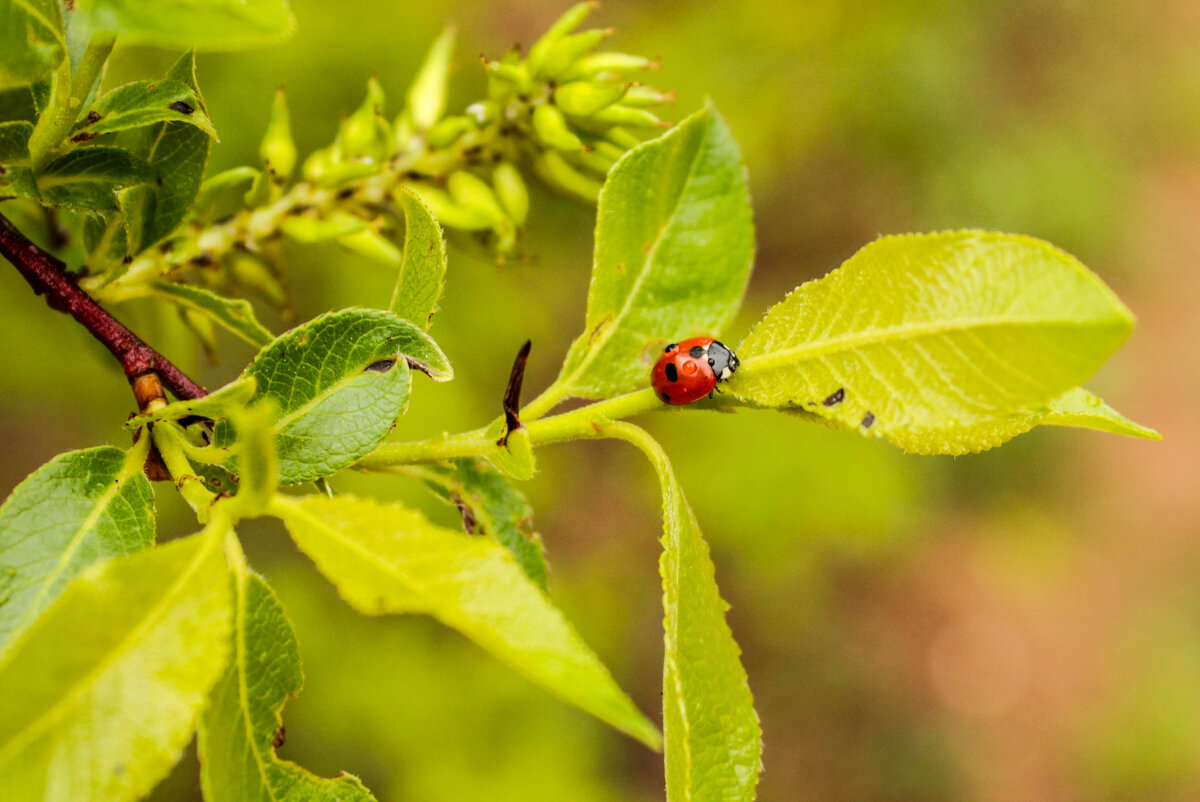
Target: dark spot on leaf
{"type": "Point", "coordinates": [279, 738]}
{"type": "Point", "coordinates": [348, 192]}
{"type": "Point", "coordinates": [382, 366]}
{"type": "Point", "coordinates": [672, 372]}
{"type": "Point", "coordinates": [3, 170]}
{"type": "Point", "coordinates": [868, 419]}
{"type": "Point", "coordinates": [620, 268]}
{"type": "Point", "coordinates": [86, 136]}
{"type": "Point", "coordinates": [697, 352]}
{"type": "Point", "coordinates": [837, 398]}
{"type": "Point", "coordinates": [181, 107]}
{"type": "Point", "coordinates": [93, 117]}
{"type": "Point", "coordinates": [666, 397]}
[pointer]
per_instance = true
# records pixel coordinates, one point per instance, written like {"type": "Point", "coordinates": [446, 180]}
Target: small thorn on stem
{"type": "Point", "coordinates": [512, 394]}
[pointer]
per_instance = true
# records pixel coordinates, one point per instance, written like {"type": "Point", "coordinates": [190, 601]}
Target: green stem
{"type": "Point", "coordinates": [169, 439]}
{"type": "Point", "coordinates": [551, 397]}
{"type": "Point", "coordinates": [590, 422]}
{"type": "Point", "coordinates": [67, 95]}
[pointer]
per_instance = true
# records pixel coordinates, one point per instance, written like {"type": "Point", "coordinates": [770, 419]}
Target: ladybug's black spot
{"type": "Point", "coordinates": [868, 419]}
{"type": "Point", "coordinates": [665, 397]}
{"type": "Point", "coordinates": [697, 352]}
{"type": "Point", "coordinates": [670, 348]}
{"type": "Point", "coordinates": [672, 372]}
{"type": "Point", "coordinates": [181, 107]}
{"type": "Point", "coordinates": [836, 398]}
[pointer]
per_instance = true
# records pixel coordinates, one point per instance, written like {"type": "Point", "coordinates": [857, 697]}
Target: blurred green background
{"type": "Point", "coordinates": [1022, 624]}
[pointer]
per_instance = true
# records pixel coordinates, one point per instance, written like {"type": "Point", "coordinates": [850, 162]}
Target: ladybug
{"type": "Point", "coordinates": [689, 370]}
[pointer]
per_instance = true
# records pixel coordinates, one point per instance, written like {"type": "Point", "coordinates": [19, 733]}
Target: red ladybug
{"type": "Point", "coordinates": [689, 370]}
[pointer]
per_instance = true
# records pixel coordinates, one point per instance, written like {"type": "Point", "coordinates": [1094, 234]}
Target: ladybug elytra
{"type": "Point", "coordinates": [690, 370]}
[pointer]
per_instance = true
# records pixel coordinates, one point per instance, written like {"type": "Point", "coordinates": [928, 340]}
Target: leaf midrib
{"type": "Point", "coordinates": [599, 343]}
{"type": "Point", "coordinates": [891, 334]}
{"type": "Point", "coordinates": [35, 728]}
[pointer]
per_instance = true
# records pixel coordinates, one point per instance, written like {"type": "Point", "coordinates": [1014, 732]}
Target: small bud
{"type": "Point", "coordinates": [374, 246]}
{"type": "Point", "coordinates": [364, 133]}
{"type": "Point", "coordinates": [512, 75]}
{"type": "Point", "coordinates": [568, 50]}
{"type": "Point", "coordinates": [584, 98]}
{"type": "Point", "coordinates": [594, 64]}
{"type": "Point", "coordinates": [449, 130]}
{"type": "Point", "coordinates": [427, 95]}
{"type": "Point", "coordinates": [626, 115]}
{"type": "Point", "coordinates": [551, 127]}
{"type": "Point", "coordinates": [472, 192]}
{"type": "Point", "coordinates": [314, 229]}
{"type": "Point", "coordinates": [450, 213]}
{"type": "Point", "coordinates": [569, 21]}
{"type": "Point", "coordinates": [643, 96]}
{"type": "Point", "coordinates": [512, 191]}
{"type": "Point", "coordinates": [250, 272]}
{"type": "Point", "coordinates": [552, 168]}
{"type": "Point", "coordinates": [277, 150]}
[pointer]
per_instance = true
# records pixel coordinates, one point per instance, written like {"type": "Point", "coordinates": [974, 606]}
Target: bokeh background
{"type": "Point", "coordinates": [1018, 625]}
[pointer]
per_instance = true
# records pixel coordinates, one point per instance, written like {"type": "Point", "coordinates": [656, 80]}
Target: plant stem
{"type": "Point", "coordinates": [47, 276]}
{"type": "Point", "coordinates": [590, 422]}
{"type": "Point", "coordinates": [67, 95]}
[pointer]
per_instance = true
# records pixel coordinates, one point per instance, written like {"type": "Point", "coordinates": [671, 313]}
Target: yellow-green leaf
{"type": "Point", "coordinates": [713, 738]}
{"type": "Point", "coordinates": [930, 340]}
{"type": "Point", "coordinates": [385, 558]}
{"type": "Point", "coordinates": [101, 694]}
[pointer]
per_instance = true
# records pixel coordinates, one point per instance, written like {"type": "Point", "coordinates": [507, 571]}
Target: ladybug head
{"type": "Point", "coordinates": [723, 361]}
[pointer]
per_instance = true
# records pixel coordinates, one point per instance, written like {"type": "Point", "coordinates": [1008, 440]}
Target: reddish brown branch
{"type": "Point", "coordinates": [48, 276]}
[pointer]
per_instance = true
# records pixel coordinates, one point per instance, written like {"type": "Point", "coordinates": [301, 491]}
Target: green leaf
{"type": "Point", "coordinates": [341, 381]}
{"type": "Point", "coordinates": [488, 502]}
{"type": "Point", "coordinates": [14, 142]}
{"type": "Point", "coordinates": [923, 339]}
{"type": "Point", "coordinates": [178, 152]}
{"type": "Point", "coordinates": [235, 314]}
{"type": "Point", "coordinates": [423, 267]}
{"type": "Point", "coordinates": [19, 182]}
{"type": "Point", "coordinates": [32, 43]}
{"type": "Point", "coordinates": [713, 738]}
{"type": "Point", "coordinates": [113, 675]}
{"type": "Point", "coordinates": [674, 244]}
{"type": "Point", "coordinates": [144, 103]}
{"type": "Point", "coordinates": [88, 178]}
{"type": "Point", "coordinates": [238, 730]}
{"type": "Point", "coordinates": [384, 558]}
{"type": "Point", "coordinates": [80, 507]}
{"type": "Point", "coordinates": [218, 25]}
